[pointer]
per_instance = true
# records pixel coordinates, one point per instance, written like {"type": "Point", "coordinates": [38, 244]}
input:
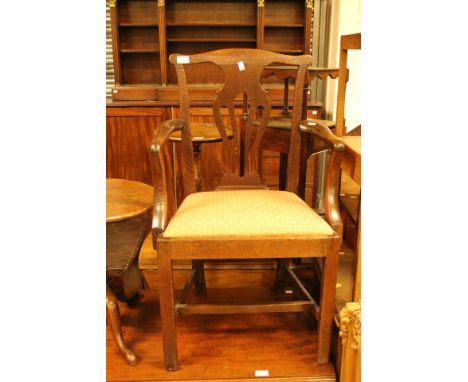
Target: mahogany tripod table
{"type": "Point", "coordinates": [127, 222]}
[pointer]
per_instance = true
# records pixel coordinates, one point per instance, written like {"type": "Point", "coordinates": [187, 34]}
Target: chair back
{"type": "Point", "coordinates": [242, 70]}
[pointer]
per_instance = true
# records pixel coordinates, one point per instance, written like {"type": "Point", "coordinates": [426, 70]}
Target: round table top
{"type": "Point", "coordinates": [126, 199]}
{"type": "Point", "coordinates": [281, 122]}
{"type": "Point", "coordinates": [202, 133]}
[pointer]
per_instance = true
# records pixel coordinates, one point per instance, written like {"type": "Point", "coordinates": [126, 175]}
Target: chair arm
{"type": "Point", "coordinates": [332, 180]}
{"type": "Point", "coordinates": [159, 173]}
{"type": "Point", "coordinates": [161, 136]}
{"type": "Point", "coordinates": [328, 140]}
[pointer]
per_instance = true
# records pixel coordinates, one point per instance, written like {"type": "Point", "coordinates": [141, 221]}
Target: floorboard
{"type": "Point", "coordinates": [220, 347]}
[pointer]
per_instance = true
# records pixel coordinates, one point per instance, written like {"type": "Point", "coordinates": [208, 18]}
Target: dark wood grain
{"type": "Point", "coordinates": [237, 346]}
{"type": "Point", "coordinates": [140, 67]}
{"type": "Point", "coordinates": [115, 43]}
{"type": "Point", "coordinates": [128, 138]}
{"type": "Point", "coordinates": [137, 12]}
{"type": "Point", "coordinates": [113, 316]}
{"type": "Point", "coordinates": [243, 70]}
{"type": "Point", "coordinates": [260, 25]}
{"type": "Point", "coordinates": [124, 239]}
{"type": "Point", "coordinates": [162, 44]}
{"type": "Point", "coordinates": [254, 63]}
{"type": "Point", "coordinates": [126, 199]}
{"type": "Point", "coordinates": [307, 26]}
{"type": "Point", "coordinates": [190, 27]}
{"type": "Point", "coordinates": [285, 12]}
{"type": "Point", "coordinates": [123, 243]}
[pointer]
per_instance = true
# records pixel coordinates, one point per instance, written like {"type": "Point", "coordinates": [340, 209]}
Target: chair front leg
{"type": "Point", "coordinates": [113, 315]}
{"type": "Point", "coordinates": [327, 305]}
{"type": "Point", "coordinates": [166, 301]}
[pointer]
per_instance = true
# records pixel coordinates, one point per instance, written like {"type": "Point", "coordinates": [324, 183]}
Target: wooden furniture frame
{"type": "Point", "coordinates": [145, 33]}
{"type": "Point", "coordinates": [350, 316]}
{"type": "Point", "coordinates": [113, 316]}
{"type": "Point", "coordinates": [280, 125]}
{"type": "Point", "coordinates": [347, 42]}
{"type": "Point", "coordinates": [127, 223]}
{"type": "Point", "coordinates": [243, 69]}
{"type": "Point", "coordinates": [351, 164]}
{"type": "Point", "coordinates": [123, 242]}
{"type": "Point", "coordinates": [352, 139]}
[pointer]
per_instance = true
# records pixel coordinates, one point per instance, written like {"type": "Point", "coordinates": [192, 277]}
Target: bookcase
{"type": "Point", "coordinates": [146, 32]}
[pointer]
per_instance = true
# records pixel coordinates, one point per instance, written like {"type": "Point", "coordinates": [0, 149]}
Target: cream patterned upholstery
{"type": "Point", "coordinates": [246, 213]}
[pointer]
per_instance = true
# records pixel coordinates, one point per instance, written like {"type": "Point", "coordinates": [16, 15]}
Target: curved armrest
{"type": "Point", "coordinates": [158, 170]}
{"type": "Point", "coordinates": [322, 132]}
{"type": "Point", "coordinates": [161, 136]}
{"type": "Point", "coordinates": [336, 147]}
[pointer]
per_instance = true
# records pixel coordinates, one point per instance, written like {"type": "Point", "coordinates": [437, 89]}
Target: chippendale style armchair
{"type": "Point", "coordinates": [243, 219]}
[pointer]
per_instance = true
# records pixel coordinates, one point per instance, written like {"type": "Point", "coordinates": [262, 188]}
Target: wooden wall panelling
{"type": "Point", "coordinates": [129, 131]}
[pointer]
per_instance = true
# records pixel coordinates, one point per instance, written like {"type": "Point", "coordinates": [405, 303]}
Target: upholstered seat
{"type": "Point", "coordinates": [246, 213]}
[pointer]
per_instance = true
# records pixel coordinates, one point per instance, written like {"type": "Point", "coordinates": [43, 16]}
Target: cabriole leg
{"type": "Point", "coordinates": [113, 314]}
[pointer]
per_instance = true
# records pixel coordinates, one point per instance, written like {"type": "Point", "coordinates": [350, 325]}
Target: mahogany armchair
{"type": "Point", "coordinates": [242, 219]}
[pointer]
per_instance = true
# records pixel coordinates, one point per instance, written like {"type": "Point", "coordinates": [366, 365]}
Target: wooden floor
{"type": "Point", "coordinates": [221, 347]}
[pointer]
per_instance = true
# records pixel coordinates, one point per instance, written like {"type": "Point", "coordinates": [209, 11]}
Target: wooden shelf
{"type": "Point", "coordinates": [138, 25]}
{"type": "Point", "coordinates": [211, 13]}
{"type": "Point", "coordinates": [214, 39]}
{"type": "Point", "coordinates": [189, 27]}
{"type": "Point", "coordinates": [210, 24]}
{"type": "Point", "coordinates": [139, 50]}
{"type": "Point", "coordinates": [284, 25]}
{"type": "Point", "coordinates": [286, 51]}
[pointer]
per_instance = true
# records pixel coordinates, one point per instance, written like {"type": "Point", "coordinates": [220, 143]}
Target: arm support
{"type": "Point", "coordinates": [331, 142]}
{"type": "Point", "coordinates": [158, 170]}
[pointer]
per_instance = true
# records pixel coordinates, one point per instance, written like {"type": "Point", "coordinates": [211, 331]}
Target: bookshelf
{"type": "Point", "coordinates": [145, 33]}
